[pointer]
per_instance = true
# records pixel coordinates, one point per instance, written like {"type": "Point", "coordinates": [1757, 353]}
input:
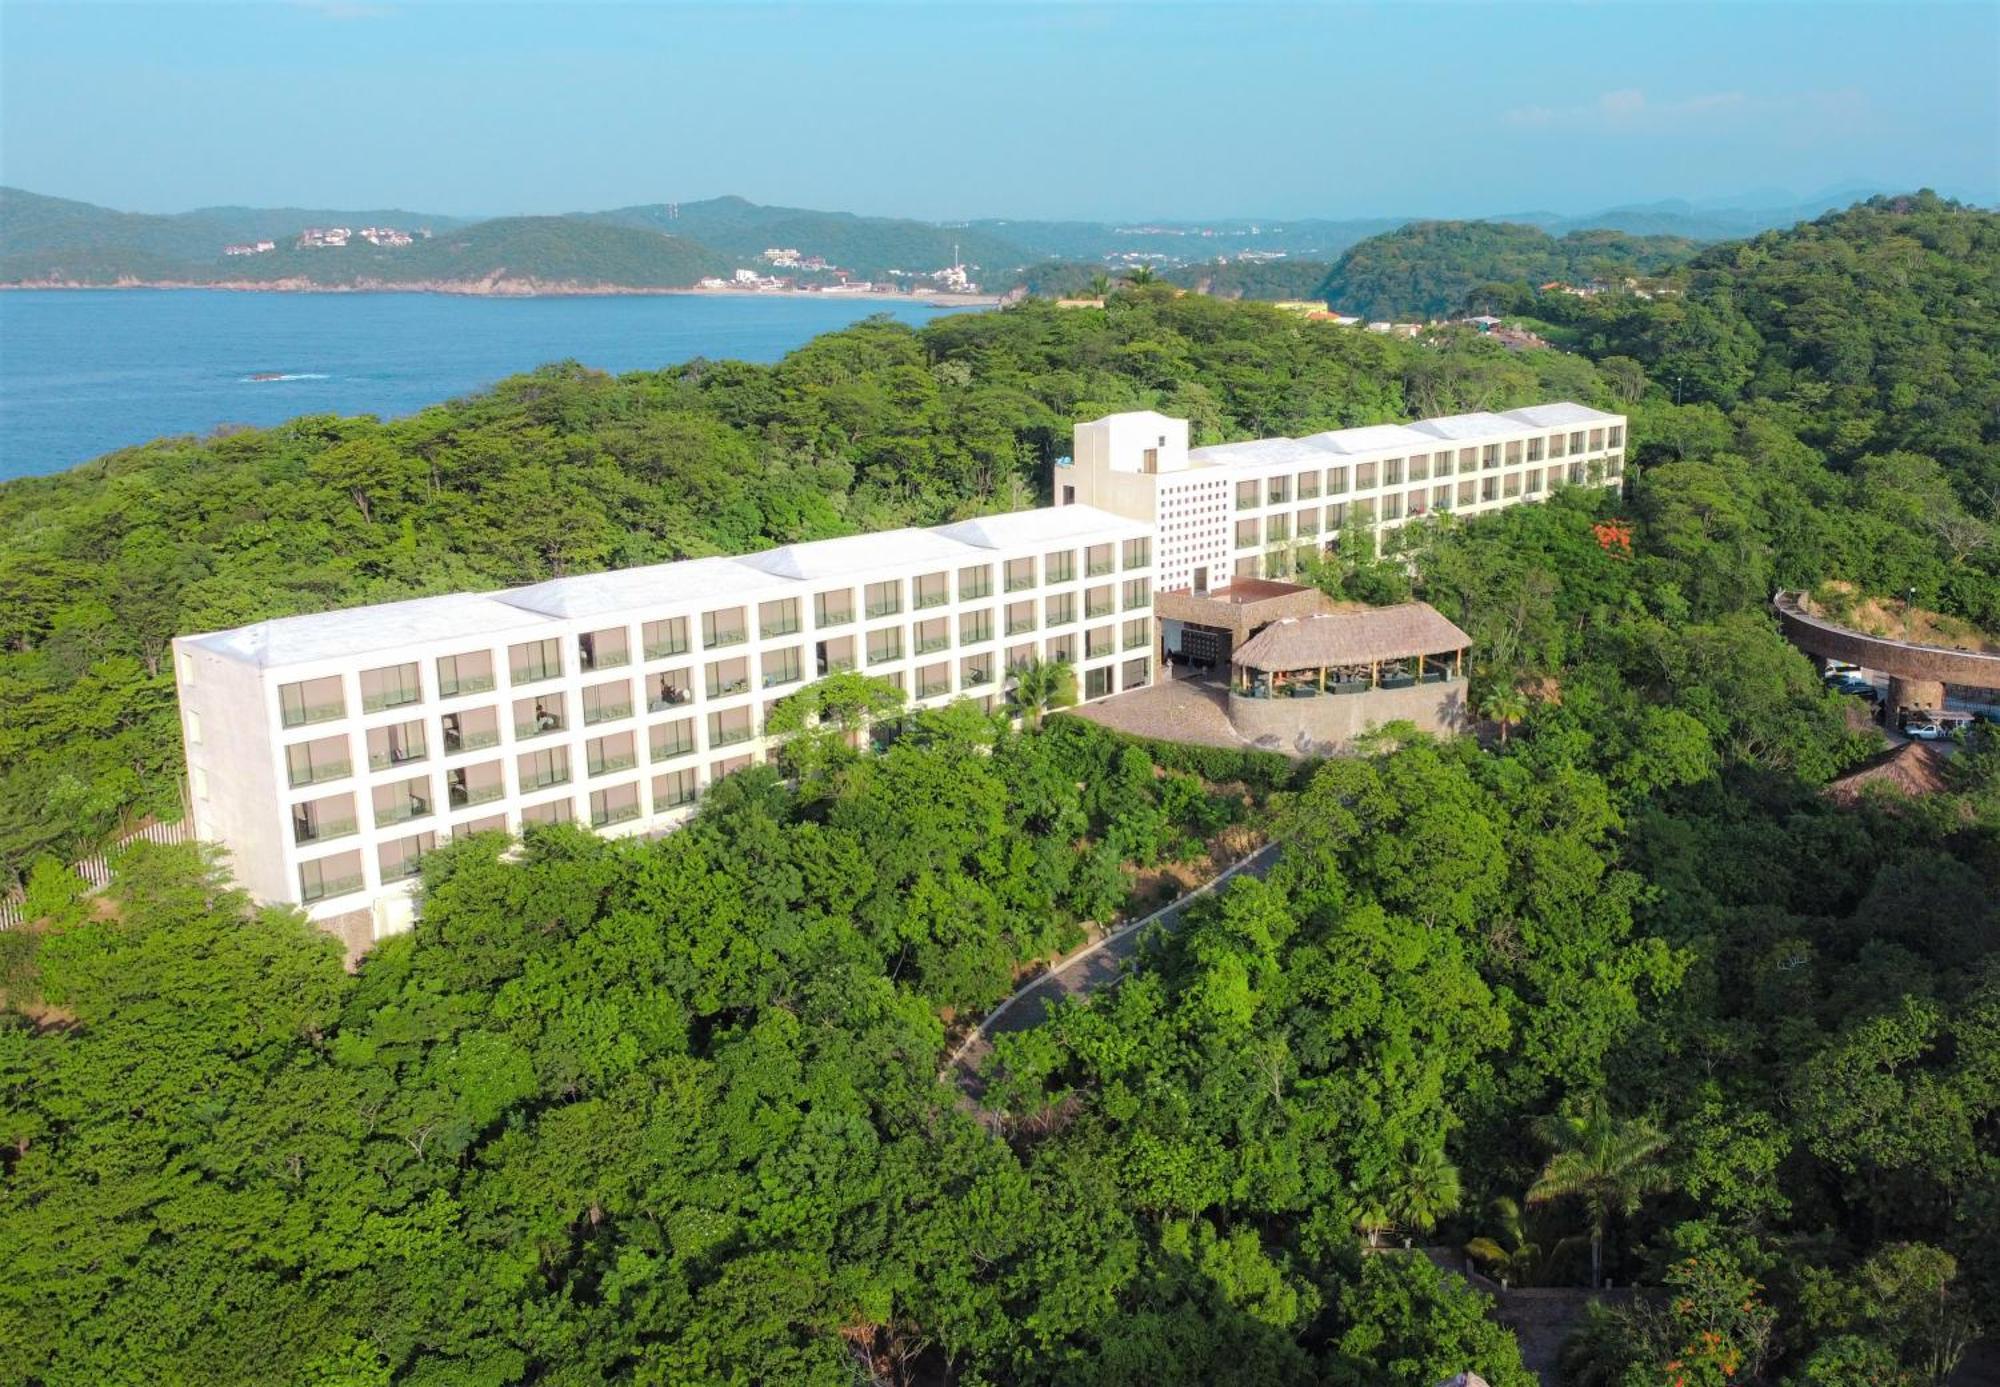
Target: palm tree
{"type": "Point", "coordinates": [1043, 686]}
{"type": "Point", "coordinates": [1100, 286]}
{"type": "Point", "coordinates": [1426, 1189]}
{"type": "Point", "coordinates": [1611, 1165]}
{"type": "Point", "coordinates": [1506, 705]}
{"type": "Point", "coordinates": [1507, 1254]}
{"type": "Point", "coordinates": [1140, 275]}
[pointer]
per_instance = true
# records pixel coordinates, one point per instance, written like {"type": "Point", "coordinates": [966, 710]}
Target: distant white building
{"type": "Point", "coordinates": [314, 237]}
{"type": "Point", "coordinates": [250, 248]}
{"type": "Point", "coordinates": [385, 236]}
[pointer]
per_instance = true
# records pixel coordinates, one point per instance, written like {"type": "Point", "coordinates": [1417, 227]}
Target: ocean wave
{"type": "Point", "coordinates": [264, 379]}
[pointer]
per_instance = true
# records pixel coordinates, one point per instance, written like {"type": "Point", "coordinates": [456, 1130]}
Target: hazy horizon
{"type": "Point", "coordinates": [1122, 113]}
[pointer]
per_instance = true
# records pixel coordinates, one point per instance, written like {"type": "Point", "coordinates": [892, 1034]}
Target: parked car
{"type": "Point", "coordinates": [1925, 732]}
{"type": "Point", "coordinates": [1839, 669]}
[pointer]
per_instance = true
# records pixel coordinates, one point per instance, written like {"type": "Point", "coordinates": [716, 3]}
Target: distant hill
{"type": "Point", "coordinates": [868, 246]}
{"type": "Point", "coordinates": [1186, 242]}
{"type": "Point", "coordinates": [1427, 269]}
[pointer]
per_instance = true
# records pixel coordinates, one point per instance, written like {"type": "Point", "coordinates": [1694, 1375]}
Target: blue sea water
{"type": "Point", "coordinates": [85, 371]}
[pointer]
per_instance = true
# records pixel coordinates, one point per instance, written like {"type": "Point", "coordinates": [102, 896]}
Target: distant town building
{"type": "Point", "coordinates": [250, 248]}
{"type": "Point", "coordinates": [317, 237]}
{"type": "Point", "coordinates": [385, 236]}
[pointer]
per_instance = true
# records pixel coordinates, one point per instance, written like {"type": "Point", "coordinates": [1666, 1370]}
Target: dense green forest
{"type": "Point", "coordinates": [1626, 995]}
{"type": "Point", "coordinates": [1426, 269]}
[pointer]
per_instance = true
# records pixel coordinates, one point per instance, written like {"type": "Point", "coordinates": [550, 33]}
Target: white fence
{"type": "Point", "coordinates": [96, 869]}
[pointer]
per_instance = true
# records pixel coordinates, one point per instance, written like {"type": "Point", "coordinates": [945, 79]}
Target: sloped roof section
{"type": "Point", "coordinates": [1460, 428]}
{"type": "Point", "coordinates": [1562, 414]}
{"type": "Point", "coordinates": [1352, 638]}
{"type": "Point", "coordinates": [1048, 525]}
{"type": "Point", "coordinates": [293, 640]}
{"type": "Point", "coordinates": [1913, 769]}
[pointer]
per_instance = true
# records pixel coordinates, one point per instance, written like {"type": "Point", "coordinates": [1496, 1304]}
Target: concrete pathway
{"type": "Point", "coordinates": [1097, 965]}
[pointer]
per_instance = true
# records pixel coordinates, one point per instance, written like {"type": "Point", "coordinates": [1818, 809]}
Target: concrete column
{"type": "Point", "coordinates": [1914, 693]}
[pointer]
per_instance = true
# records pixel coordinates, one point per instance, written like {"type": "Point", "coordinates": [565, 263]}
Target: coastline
{"type": "Point", "coordinates": [499, 286]}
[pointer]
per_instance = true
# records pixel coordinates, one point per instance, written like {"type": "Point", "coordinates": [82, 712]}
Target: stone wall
{"type": "Point", "coordinates": [1933, 663]}
{"type": "Point", "coordinates": [1329, 723]}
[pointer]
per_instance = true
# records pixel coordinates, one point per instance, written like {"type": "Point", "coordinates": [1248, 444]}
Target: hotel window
{"type": "Point", "coordinates": [396, 746]}
{"type": "Point", "coordinates": [615, 805]}
{"type": "Point", "coordinates": [1020, 574]}
{"type": "Point", "coordinates": [329, 876]}
{"type": "Point", "coordinates": [1555, 445]}
{"type": "Point", "coordinates": [1138, 553]}
{"type": "Point", "coordinates": [1309, 485]}
{"type": "Point", "coordinates": [674, 789]}
{"type": "Point", "coordinates": [1392, 472]}
{"type": "Point", "coordinates": [1102, 601]}
{"type": "Point", "coordinates": [492, 823]}
{"type": "Point", "coordinates": [1308, 521]}
{"type": "Point", "coordinates": [1097, 683]}
{"type": "Point", "coordinates": [1420, 466]}
{"type": "Point", "coordinates": [1099, 641]}
{"type": "Point", "coordinates": [465, 674]}
{"type": "Point", "coordinates": [1514, 453]}
{"type": "Point", "coordinates": [1489, 489]}
{"type": "Point", "coordinates": [608, 649]}
{"type": "Point", "coordinates": [778, 618]}
{"type": "Point", "coordinates": [1614, 466]}
{"type": "Point", "coordinates": [1468, 460]}
{"type": "Point", "coordinates": [1616, 437]}
{"type": "Point", "coordinates": [1278, 491]}
{"type": "Point", "coordinates": [785, 666]}
{"type": "Point", "coordinates": [668, 688]}
{"type": "Point", "coordinates": [1249, 533]}
{"type": "Point", "coordinates": [975, 582]}
{"type": "Point", "coordinates": [1576, 442]}
{"type": "Point", "coordinates": [885, 645]}
{"type": "Point", "coordinates": [537, 717]}
{"type": "Point", "coordinates": [1336, 481]}
{"type": "Point", "coordinates": [932, 635]}
{"type": "Point", "coordinates": [1138, 633]}
{"type": "Point", "coordinates": [933, 680]}
{"type": "Point", "coordinates": [1364, 476]}
{"type": "Point", "coordinates": [1468, 493]}
{"type": "Point", "coordinates": [723, 626]}
{"type": "Point", "coordinates": [1534, 481]}
{"type": "Point", "coordinates": [1063, 648]}
{"type": "Point", "coordinates": [974, 627]}
{"type": "Point", "coordinates": [471, 729]}
{"type": "Point", "coordinates": [310, 701]}
{"type": "Point", "coordinates": [1019, 657]}
{"type": "Point", "coordinates": [1440, 498]}
{"type": "Point", "coordinates": [1441, 465]}
{"type": "Point", "coordinates": [1415, 502]}
{"type": "Point", "coordinates": [726, 677]}
{"type": "Point", "coordinates": [607, 755]}
{"type": "Point", "coordinates": [1098, 560]}
{"type": "Point", "coordinates": [975, 670]}
{"type": "Point", "coordinates": [727, 766]}
{"type": "Point", "coordinates": [309, 763]}
{"type": "Point", "coordinates": [1364, 512]}
{"type": "Point", "coordinates": [540, 769]}
{"type": "Point", "coordinates": [1392, 507]}
{"type": "Point", "coordinates": [670, 739]}
{"type": "Point", "coordinates": [1535, 449]}
{"type": "Point", "coordinates": [1336, 516]}
{"type": "Point", "coordinates": [885, 598]}
{"type": "Point", "coordinates": [323, 820]}
{"type": "Point", "coordinates": [664, 638]}
{"type": "Point", "coordinates": [929, 590]}
{"type": "Point", "coordinates": [1134, 674]}
{"type": "Point", "coordinates": [834, 608]}
{"type": "Point", "coordinates": [556, 811]}
{"type": "Point", "coordinates": [1060, 610]}
{"type": "Point", "coordinates": [533, 661]}
{"type": "Point", "coordinates": [833, 656]}
{"type": "Point", "coordinates": [1277, 529]}
{"type": "Point", "coordinates": [403, 857]}
{"type": "Point", "coordinates": [1249, 495]}
{"type": "Point", "coordinates": [402, 801]}
{"type": "Point", "coordinates": [1512, 485]}
{"type": "Point", "coordinates": [1020, 617]}
{"type": "Point", "coordinates": [1489, 456]}
{"type": "Point", "coordinates": [465, 786]}
{"type": "Point", "coordinates": [392, 686]}
{"type": "Point", "coordinates": [1059, 567]}
{"type": "Point", "coordinates": [606, 702]}
{"type": "Point", "coordinates": [730, 726]}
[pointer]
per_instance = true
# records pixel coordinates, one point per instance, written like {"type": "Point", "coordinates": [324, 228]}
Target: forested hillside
{"type": "Point", "coordinates": [1623, 994]}
{"type": "Point", "coordinates": [1426, 269]}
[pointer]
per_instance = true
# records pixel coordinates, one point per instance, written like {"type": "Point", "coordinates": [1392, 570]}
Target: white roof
{"type": "Point", "coordinates": [1461, 427]}
{"type": "Point", "coordinates": [1049, 525]}
{"type": "Point", "coordinates": [295, 640]}
{"type": "Point", "coordinates": [1370, 438]}
{"type": "Point", "coordinates": [655, 585]}
{"type": "Point", "coordinates": [1558, 415]}
{"type": "Point", "coordinates": [1257, 452]}
{"type": "Point", "coordinates": [832, 558]}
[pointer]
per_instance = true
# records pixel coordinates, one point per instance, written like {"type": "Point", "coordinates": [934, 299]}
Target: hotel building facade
{"type": "Point", "coordinates": [327, 754]}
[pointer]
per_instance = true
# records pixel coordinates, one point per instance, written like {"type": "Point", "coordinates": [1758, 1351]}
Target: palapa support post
{"type": "Point", "coordinates": [1374, 674]}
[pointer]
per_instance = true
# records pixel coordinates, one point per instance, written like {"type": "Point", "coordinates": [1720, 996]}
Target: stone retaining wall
{"type": "Point", "coordinates": [1329, 723]}
{"type": "Point", "coordinates": [1900, 659]}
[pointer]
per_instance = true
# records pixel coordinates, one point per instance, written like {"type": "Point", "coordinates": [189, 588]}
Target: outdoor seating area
{"type": "Point", "coordinates": [1350, 653]}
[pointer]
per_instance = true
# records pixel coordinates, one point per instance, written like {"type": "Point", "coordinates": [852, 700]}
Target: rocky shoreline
{"type": "Point", "coordinates": [498, 286]}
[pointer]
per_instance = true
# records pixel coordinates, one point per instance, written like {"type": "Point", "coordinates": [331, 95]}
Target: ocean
{"type": "Point", "coordinates": [83, 372]}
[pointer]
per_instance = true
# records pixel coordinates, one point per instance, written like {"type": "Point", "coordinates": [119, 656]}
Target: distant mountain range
{"type": "Point", "coordinates": [53, 241]}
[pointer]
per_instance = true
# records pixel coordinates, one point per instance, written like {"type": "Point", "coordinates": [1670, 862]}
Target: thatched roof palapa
{"type": "Point", "coordinates": [1913, 769]}
{"type": "Point", "coordinates": [1351, 638]}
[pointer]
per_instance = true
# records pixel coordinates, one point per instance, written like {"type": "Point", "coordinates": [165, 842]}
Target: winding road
{"type": "Point", "coordinates": [1094, 966]}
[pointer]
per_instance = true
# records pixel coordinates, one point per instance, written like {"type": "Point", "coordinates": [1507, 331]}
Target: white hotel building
{"type": "Point", "coordinates": [328, 753]}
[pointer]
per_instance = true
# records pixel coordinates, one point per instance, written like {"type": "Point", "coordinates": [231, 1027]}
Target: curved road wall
{"type": "Point", "coordinates": [1898, 659]}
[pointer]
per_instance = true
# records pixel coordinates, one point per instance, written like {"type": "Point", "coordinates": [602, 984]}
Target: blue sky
{"type": "Point", "coordinates": [957, 110]}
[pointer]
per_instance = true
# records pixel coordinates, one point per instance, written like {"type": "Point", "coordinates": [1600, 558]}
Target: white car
{"type": "Point", "coordinates": [1925, 732]}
